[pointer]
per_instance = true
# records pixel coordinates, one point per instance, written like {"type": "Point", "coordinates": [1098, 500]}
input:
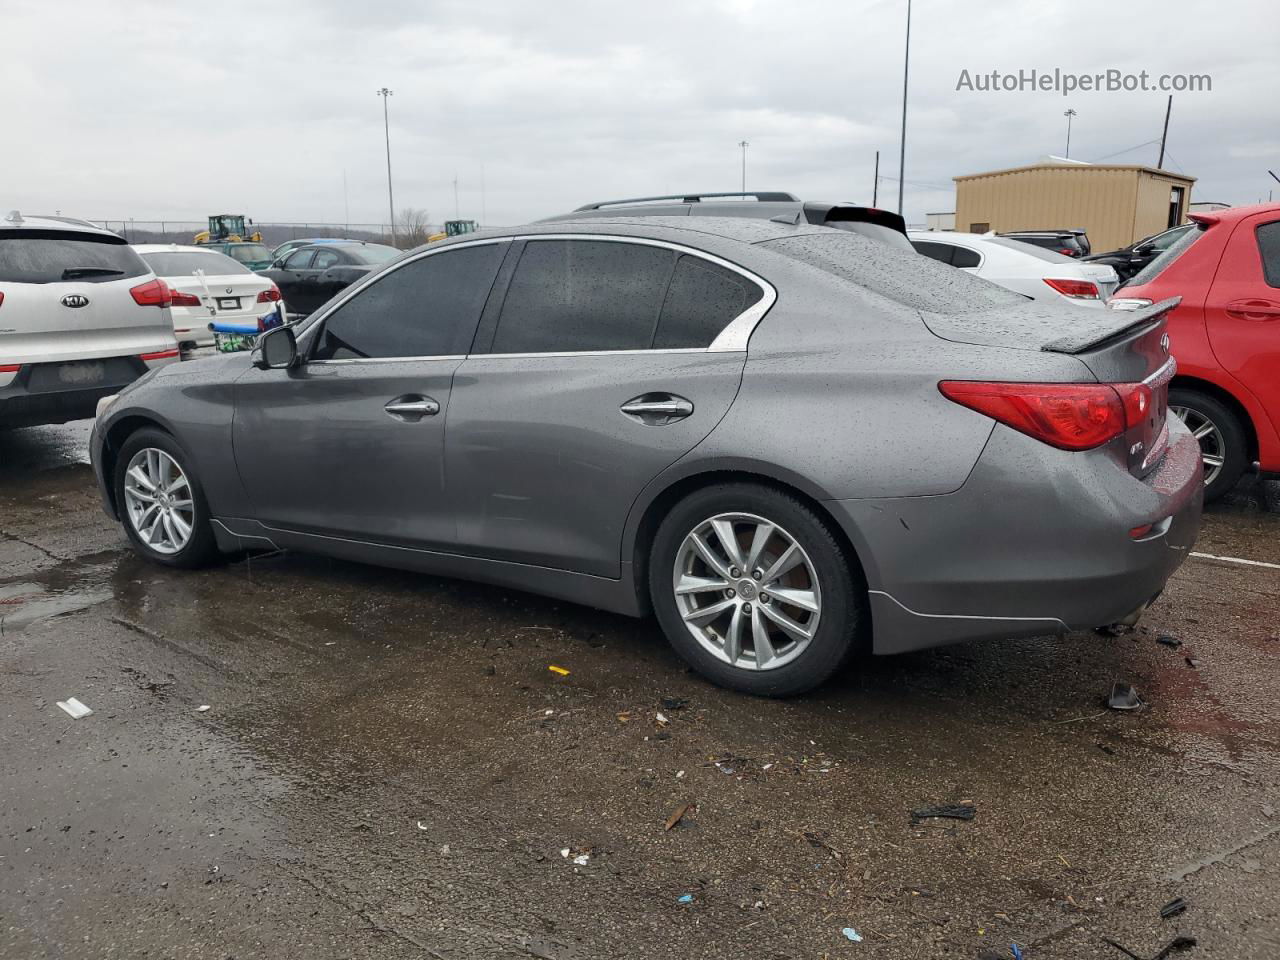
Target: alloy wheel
{"type": "Point", "coordinates": [158, 501]}
{"type": "Point", "coordinates": [747, 591]}
{"type": "Point", "coordinates": [1213, 447]}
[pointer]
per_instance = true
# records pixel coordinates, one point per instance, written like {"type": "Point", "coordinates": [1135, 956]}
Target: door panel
{"type": "Point", "coordinates": [318, 452]}
{"type": "Point", "coordinates": [542, 464]}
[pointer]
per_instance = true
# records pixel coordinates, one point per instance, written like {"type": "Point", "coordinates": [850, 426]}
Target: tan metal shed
{"type": "Point", "coordinates": [1115, 203]}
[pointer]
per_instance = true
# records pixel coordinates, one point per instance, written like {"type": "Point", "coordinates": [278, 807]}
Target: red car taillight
{"type": "Point", "coordinates": [1069, 416]}
{"type": "Point", "coordinates": [10, 367]}
{"type": "Point", "coordinates": [1076, 289]}
{"type": "Point", "coordinates": [270, 295]}
{"type": "Point", "coordinates": [161, 355]}
{"type": "Point", "coordinates": [153, 293]}
{"type": "Point", "coordinates": [180, 299]}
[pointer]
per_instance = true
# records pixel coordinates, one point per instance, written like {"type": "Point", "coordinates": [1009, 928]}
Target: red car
{"type": "Point", "coordinates": [1225, 336]}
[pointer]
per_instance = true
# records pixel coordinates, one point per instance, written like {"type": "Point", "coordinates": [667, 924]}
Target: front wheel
{"type": "Point", "coordinates": [161, 502]}
{"type": "Point", "coordinates": [1222, 439]}
{"type": "Point", "coordinates": [754, 591]}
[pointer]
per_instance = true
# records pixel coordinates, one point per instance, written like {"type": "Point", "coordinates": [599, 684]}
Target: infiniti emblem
{"type": "Point", "coordinates": [1164, 343]}
{"type": "Point", "coordinates": [75, 300]}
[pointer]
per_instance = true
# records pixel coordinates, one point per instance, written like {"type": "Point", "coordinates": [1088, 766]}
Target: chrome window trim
{"type": "Point", "coordinates": [732, 339]}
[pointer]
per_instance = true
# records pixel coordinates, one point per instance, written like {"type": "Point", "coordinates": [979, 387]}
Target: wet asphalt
{"type": "Point", "coordinates": [387, 768]}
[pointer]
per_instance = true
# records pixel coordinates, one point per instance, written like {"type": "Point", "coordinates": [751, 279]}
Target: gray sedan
{"type": "Point", "coordinates": [784, 441]}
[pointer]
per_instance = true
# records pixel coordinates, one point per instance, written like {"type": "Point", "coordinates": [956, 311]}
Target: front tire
{"type": "Point", "coordinates": [754, 591]}
{"type": "Point", "coordinates": [161, 502]}
{"type": "Point", "coordinates": [1222, 439]}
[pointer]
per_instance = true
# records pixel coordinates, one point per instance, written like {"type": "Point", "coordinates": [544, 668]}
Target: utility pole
{"type": "Point", "coordinates": [743, 144]}
{"type": "Point", "coordinates": [1273, 176]}
{"type": "Point", "coordinates": [384, 93]}
{"type": "Point", "coordinates": [1165, 135]}
{"type": "Point", "coordinates": [346, 202]}
{"type": "Point", "coordinates": [875, 186]}
{"type": "Point", "coordinates": [484, 208]}
{"type": "Point", "coordinates": [1069, 113]}
{"type": "Point", "coordinates": [455, 197]}
{"type": "Point", "coordinates": [902, 143]}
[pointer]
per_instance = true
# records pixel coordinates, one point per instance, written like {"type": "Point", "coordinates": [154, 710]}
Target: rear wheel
{"type": "Point", "coordinates": [160, 501]}
{"type": "Point", "coordinates": [1221, 436]}
{"type": "Point", "coordinates": [753, 590]}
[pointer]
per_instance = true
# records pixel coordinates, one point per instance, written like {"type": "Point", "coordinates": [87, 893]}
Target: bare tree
{"type": "Point", "coordinates": [412, 228]}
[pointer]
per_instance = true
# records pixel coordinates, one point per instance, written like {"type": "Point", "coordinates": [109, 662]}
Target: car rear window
{"type": "Point", "coordinates": [1031, 248]}
{"type": "Point", "coordinates": [874, 231]}
{"type": "Point", "coordinates": [902, 276]}
{"type": "Point", "coordinates": [182, 264]}
{"type": "Point", "coordinates": [248, 252]}
{"type": "Point", "coordinates": [57, 256]}
{"type": "Point", "coordinates": [1162, 262]}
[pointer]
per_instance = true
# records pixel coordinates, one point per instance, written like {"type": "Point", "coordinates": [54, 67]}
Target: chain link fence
{"type": "Point", "coordinates": [273, 234]}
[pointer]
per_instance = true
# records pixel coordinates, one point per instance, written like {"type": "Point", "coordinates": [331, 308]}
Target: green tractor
{"type": "Point", "coordinates": [227, 228]}
{"type": "Point", "coordinates": [454, 228]}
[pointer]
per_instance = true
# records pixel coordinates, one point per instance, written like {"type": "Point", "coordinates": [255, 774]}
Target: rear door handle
{"type": "Point", "coordinates": [1253, 310]}
{"type": "Point", "coordinates": [412, 408]}
{"type": "Point", "coordinates": [656, 409]}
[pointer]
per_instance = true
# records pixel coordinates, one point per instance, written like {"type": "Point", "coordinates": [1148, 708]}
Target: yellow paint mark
{"type": "Point", "coordinates": [560, 670]}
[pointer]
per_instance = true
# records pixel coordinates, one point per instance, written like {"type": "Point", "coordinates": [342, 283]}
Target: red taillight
{"type": "Point", "coordinates": [270, 295]}
{"type": "Point", "coordinates": [180, 299]}
{"type": "Point", "coordinates": [1077, 289]}
{"type": "Point", "coordinates": [161, 355]}
{"type": "Point", "coordinates": [153, 293]}
{"type": "Point", "coordinates": [1137, 533]}
{"type": "Point", "coordinates": [1136, 398]}
{"type": "Point", "coordinates": [1, 298]}
{"type": "Point", "coordinates": [10, 367]}
{"type": "Point", "coordinates": [1069, 416]}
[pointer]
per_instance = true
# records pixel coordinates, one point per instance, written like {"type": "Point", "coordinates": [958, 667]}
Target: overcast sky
{"type": "Point", "coordinates": [180, 109]}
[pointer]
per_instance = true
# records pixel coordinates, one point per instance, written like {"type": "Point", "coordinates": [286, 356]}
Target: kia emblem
{"type": "Point", "coordinates": [1164, 343]}
{"type": "Point", "coordinates": [75, 300]}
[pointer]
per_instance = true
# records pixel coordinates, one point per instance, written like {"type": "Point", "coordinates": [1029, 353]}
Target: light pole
{"type": "Point", "coordinates": [384, 93]}
{"type": "Point", "coordinates": [902, 144]}
{"type": "Point", "coordinates": [743, 144]}
{"type": "Point", "coordinates": [1069, 113]}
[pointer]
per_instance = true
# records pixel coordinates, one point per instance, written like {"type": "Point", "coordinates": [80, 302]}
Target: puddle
{"type": "Point", "coordinates": [22, 604]}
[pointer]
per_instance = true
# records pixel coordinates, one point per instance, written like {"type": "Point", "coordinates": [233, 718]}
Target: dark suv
{"type": "Point", "coordinates": [780, 207]}
{"type": "Point", "coordinates": [1069, 243]}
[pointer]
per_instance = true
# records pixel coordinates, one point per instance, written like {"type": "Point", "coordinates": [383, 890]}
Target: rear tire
{"type": "Point", "coordinates": [161, 502]}
{"type": "Point", "coordinates": [718, 607]}
{"type": "Point", "coordinates": [1222, 438]}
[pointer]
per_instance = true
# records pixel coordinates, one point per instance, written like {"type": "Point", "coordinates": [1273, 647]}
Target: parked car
{"type": "Point", "coordinates": [783, 439]}
{"type": "Point", "coordinates": [280, 252]}
{"type": "Point", "coordinates": [255, 256]}
{"type": "Point", "coordinates": [1225, 335]}
{"type": "Point", "coordinates": [1021, 267]}
{"type": "Point", "coordinates": [1069, 243]}
{"type": "Point", "coordinates": [207, 286]}
{"type": "Point", "coordinates": [1129, 260]}
{"type": "Point", "coordinates": [81, 315]}
{"type": "Point", "coordinates": [777, 205]}
{"type": "Point", "coordinates": [308, 276]}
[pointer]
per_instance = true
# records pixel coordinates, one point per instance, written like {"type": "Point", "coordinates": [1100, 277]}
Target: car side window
{"type": "Point", "coordinates": [325, 259]}
{"type": "Point", "coordinates": [701, 301]}
{"type": "Point", "coordinates": [426, 308]}
{"type": "Point", "coordinates": [964, 257]}
{"type": "Point", "coordinates": [569, 296]}
{"type": "Point", "coordinates": [941, 252]}
{"type": "Point", "coordinates": [299, 260]}
{"type": "Point", "coordinates": [1269, 247]}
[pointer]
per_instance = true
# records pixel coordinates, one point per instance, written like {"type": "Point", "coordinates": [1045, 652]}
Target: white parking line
{"type": "Point", "coordinates": [1248, 563]}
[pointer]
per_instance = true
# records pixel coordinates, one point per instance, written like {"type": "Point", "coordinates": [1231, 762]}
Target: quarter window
{"type": "Point", "coordinates": [426, 308]}
{"type": "Point", "coordinates": [325, 259]}
{"type": "Point", "coordinates": [964, 257]}
{"type": "Point", "coordinates": [1269, 247]}
{"type": "Point", "coordinates": [702, 299]}
{"type": "Point", "coordinates": [933, 250]}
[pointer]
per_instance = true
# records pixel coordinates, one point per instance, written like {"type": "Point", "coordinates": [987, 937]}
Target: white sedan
{"type": "Point", "coordinates": [207, 286]}
{"type": "Point", "coordinates": [1031, 271]}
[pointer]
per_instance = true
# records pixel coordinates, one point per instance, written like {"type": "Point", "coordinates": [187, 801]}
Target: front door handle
{"type": "Point", "coordinates": [412, 408]}
{"type": "Point", "coordinates": [656, 409]}
{"type": "Point", "coordinates": [1253, 310]}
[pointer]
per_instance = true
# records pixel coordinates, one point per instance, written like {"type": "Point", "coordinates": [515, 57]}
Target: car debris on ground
{"type": "Point", "coordinates": [74, 708]}
{"type": "Point", "coordinates": [950, 811]}
{"type": "Point", "coordinates": [1124, 697]}
{"type": "Point", "coordinates": [1172, 908]}
{"type": "Point", "coordinates": [1176, 945]}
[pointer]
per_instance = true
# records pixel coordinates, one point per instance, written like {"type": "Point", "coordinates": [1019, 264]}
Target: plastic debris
{"type": "Point", "coordinates": [74, 708]}
{"type": "Point", "coordinates": [675, 703]}
{"type": "Point", "coordinates": [950, 811]}
{"type": "Point", "coordinates": [678, 815]}
{"type": "Point", "coordinates": [1124, 697]}
{"type": "Point", "coordinates": [1016, 951]}
{"type": "Point", "coordinates": [687, 898]}
{"type": "Point", "coordinates": [1192, 662]}
{"type": "Point", "coordinates": [560, 670]}
{"type": "Point", "coordinates": [1173, 908]}
{"type": "Point", "coordinates": [420, 826]}
{"type": "Point", "coordinates": [581, 859]}
{"type": "Point", "coordinates": [852, 934]}
{"type": "Point", "coordinates": [203, 708]}
{"type": "Point", "coordinates": [1174, 945]}
{"type": "Point", "coordinates": [1168, 640]}
{"type": "Point", "coordinates": [661, 720]}
{"type": "Point", "coordinates": [565, 852]}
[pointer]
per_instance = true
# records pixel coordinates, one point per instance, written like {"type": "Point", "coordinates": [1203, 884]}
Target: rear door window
{"type": "Point", "coordinates": [964, 257]}
{"type": "Point", "coordinates": [702, 300]}
{"type": "Point", "coordinates": [941, 252]}
{"type": "Point", "coordinates": [570, 296]}
{"type": "Point", "coordinates": [300, 260]}
{"type": "Point", "coordinates": [1269, 248]}
{"type": "Point", "coordinates": [426, 308]}
{"type": "Point", "coordinates": [326, 259]}
{"type": "Point", "coordinates": [57, 256]}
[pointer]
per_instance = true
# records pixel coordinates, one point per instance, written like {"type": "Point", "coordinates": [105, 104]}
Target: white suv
{"type": "Point", "coordinates": [81, 315]}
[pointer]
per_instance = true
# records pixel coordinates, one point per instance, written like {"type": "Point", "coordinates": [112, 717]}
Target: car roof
{"type": "Point", "coordinates": [174, 248]}
{"type": "Point", "coordinates": [1233, 214]}
{"type": "Point", "coordinates": [14, 220]}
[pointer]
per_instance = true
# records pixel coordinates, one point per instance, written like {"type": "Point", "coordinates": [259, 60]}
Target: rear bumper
{"type": "Point", "coordinates": [36, 395]}
{"type": "Point", "coordinates": [1036, 542]}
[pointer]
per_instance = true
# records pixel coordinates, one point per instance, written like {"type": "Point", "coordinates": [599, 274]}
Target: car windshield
{"type": "Point", "coordinates": [54, 256]}
{"type": "Point", "coordinates": [184, 263]}
{"type": "Point", "coordinates": [1162, 262]}
{"type": "Point", "coordinates": [248, 252]}
{"type": "Point", "coordinates": [372, 252]}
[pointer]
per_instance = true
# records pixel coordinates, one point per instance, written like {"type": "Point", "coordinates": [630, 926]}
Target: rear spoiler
{"type": "Point", "coordinates": [1093, 335]}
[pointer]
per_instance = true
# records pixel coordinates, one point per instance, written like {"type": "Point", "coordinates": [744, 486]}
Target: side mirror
{"type": "Point", "coordinates": [277, 349]}
{"type": "Point", "coordinates": [1144, 249]}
